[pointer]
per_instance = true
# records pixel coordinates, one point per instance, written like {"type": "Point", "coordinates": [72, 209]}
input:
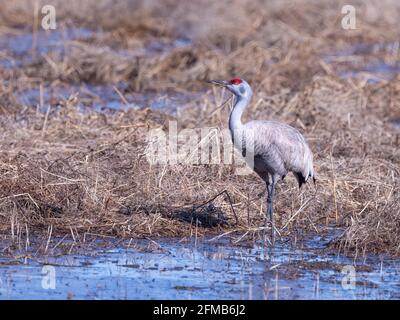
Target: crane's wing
{"type": "Point", "coordinates": [286, 144]}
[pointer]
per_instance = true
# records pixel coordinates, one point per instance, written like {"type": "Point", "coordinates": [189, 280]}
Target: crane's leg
{"type": "Point", "coordinates": [266, 179]}
{"type": "Point", "coordinates": [270, 204]}
{"type": "Point", "coordinates": [265, 218]}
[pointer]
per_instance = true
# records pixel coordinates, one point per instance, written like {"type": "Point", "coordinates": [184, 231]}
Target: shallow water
{"type": "Point", "coordinates": [201, 270]}
{"type": "Point", "coordinates": [23, 48]}
{"type": "Point", "coordinates": [351, 62]}
{"type": "Point", "coordinates": [17, 51]}
{"type": "Point", "coordinates": [375, 72]}
{"type": "Point", "coordinates": [395, 123]}
{"type": "Point", "coordinates": [102, 97]}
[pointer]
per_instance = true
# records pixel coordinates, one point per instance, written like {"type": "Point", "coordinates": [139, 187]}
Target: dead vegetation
{"type": "Point", "coordinates": [87, 172]}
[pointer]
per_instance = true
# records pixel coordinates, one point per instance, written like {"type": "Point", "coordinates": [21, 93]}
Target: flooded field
{"type": "Point", "coordinates": [366, 61]}
{"type": "Point", "coordinates": [26, 49]}
{"type": "Point", "coordinates": [206, 269]}
{"type": "Point", "coordinates": [103, 98]}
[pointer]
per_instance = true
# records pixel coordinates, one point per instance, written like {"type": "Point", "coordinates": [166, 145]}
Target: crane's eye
{"type": "Point", "coordinates": [236, 81]}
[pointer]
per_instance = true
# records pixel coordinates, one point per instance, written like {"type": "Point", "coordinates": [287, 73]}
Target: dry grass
{"type": "Point", "coordinates": [88, 172]}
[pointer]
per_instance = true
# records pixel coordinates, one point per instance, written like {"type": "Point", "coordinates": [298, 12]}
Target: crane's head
{"type": "Point", "coordinates": [238, 87]}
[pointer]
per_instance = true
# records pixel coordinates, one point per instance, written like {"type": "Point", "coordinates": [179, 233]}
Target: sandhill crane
{"type": "Point", "coordinates": [277, 147]}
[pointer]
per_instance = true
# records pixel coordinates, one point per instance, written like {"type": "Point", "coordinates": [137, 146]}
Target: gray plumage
{"type": "Point", "coordinates": [278, 150]}
{"type": "Point", "coordinates": [274, 148]}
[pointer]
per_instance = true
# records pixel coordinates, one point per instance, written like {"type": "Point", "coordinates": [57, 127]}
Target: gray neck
{"type": "Point", "coordinates": [235, 122]}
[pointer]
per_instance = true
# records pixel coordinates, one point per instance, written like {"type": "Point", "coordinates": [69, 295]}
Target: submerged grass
{"type": "Point", "coordinates": [81, 171]}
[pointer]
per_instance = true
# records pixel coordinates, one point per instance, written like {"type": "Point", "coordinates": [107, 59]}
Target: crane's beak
{"type": "Point", "coordinates": [221, 83]}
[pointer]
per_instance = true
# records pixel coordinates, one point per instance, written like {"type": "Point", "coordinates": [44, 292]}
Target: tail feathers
{"type": "Point", "coordinates": [300, 178]}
